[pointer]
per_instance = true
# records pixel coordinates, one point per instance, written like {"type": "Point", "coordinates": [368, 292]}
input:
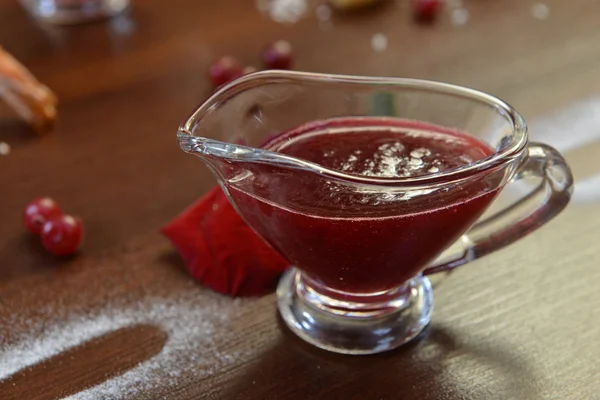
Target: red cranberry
{"type": "Point", "coordinates": [427, 10]}
{"type": "Point", "coordinates": [38, 212]}
{"type": "Point", "coordinates": [62, 236]}
{"type": "Point", "coordinates": [278, 55]}
{"type": "Point", "coordinates": [224, 70]}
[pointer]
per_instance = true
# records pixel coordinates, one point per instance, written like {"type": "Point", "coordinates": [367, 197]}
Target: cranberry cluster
{"type": "Point", "coordinates": [61, 234]}
{"type": "Point", "coordinates": [277, 55]}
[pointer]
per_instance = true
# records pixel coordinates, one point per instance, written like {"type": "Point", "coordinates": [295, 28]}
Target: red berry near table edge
{"type": "Point", "coordinates": [62, 236]}
{"type": "Point", "coordinates": [225, 69]}
{"type": "Point", "coordinates": [38, 211]}
{"type": "Point", "coordinates": [426, 10]}
{"type": "Point", "coordinates": [278, 55]}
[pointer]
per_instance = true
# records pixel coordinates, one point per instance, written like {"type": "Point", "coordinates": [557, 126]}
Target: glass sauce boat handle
{"type": "Point", "coordinates": [524, 216]}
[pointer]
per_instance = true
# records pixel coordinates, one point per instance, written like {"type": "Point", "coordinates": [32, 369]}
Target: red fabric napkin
{"type": "Point", "coordinates": [222, 252]}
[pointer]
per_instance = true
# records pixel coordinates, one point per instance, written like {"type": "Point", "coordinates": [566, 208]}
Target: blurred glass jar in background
{"type": "Point", "coordinates": [73, 11]}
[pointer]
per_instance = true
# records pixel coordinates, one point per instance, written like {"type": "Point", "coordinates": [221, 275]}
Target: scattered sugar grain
{"type": "Point", "coordinates": [323, 12]}
{"type": "Point", "coordinates": [283, 11]}
{"type": "Point", "coordinates": [540, 11]}
{"type": "Point", "coordinates": [460, 16]}
{"type": "Point", "coordinates": [191, 327]}
{"type": "Point", "coordinates": [379, 42]}
{"type": "Point", "coordinates": [4, 149]}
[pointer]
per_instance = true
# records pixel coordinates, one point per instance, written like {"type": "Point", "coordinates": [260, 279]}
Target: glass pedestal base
{"type": "Point", "coordinates": [350, 324]}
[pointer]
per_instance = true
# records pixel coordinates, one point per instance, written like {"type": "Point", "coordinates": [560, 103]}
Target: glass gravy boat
{"type": "Point", "coordinates": [361, 247]}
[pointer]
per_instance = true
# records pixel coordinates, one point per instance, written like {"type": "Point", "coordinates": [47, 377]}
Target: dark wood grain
{"type": "Point", "coordinates": [91, 363]}
{"type": "Point", "coordinates": [521, 324]}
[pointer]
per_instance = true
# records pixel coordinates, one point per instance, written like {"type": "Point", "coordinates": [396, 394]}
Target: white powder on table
{"type": "Point", "coordinates": [191, 327]}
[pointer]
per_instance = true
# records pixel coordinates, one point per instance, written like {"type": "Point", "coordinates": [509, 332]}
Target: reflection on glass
{"type": "Point", "coordinates": [574, 131]}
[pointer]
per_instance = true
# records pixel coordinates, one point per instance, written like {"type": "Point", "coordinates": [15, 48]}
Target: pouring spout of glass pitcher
{"type": "Point", "coordinates": [217, 154]}
{"type": "Point", "coordinates": [206, 148]}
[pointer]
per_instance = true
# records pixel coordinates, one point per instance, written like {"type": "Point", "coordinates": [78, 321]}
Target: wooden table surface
{"type": "Point", "coordinates": [520, 324]}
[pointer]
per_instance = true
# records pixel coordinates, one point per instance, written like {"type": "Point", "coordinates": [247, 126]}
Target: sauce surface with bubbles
{"type": "Point", "coordinates": [364, 238]}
